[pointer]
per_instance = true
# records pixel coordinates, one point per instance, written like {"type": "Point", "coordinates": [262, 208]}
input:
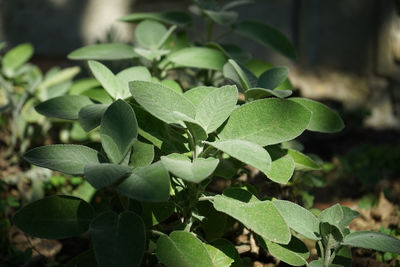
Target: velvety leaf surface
{"type": "Point", "coordinates": [258, 67]}
{"type": "Point", "coordinates": [150, 184]}
{"type": "Point", "coordinates": [282, 166]}
{"type": "Point", "coordinates": [154, 213]}
{"type": "Point", "coordinates": [316, 263]}
{"type": "Point", "coordinates": [332, 215]}
{"type": "Point", "coordinates": [148, 33]}
{"type": "Point", "coordinates": [323, 118]}
{"type": "Point", "coordinates": [303, 162]}
{"type": "Point", "coordinates": [295, 253]}
{"type": "Point", "coordinates": [228, 249]}
{"type": "Point", "coordinates": [182, 249]}
{"type": "Point", "coordinates": [106, 78]}
{"type": "Point", "coordinates": [266, 121]}
{"type": "Point", "coordinates": [137, 73]}
{"type": "Point", "coordinates": [101, 175]}
{"type": "Point", "coordinates": [197, 94]}
{"type": "Point", "coordinates": [111, 51]}
{"type": "Point", "coordinates": [161, 101]}
{"type": "Point", "coordinates": [218, 257]}
{"type": "Point", "coordinates": [182, 167]}
{"type": "Point", "coordinates": [172, 17]}
{"type": "Point", "coordinates": [16, 57]}
{"type": "Point", "coordinates": [247, 152]}
{"type": "Point", "coordinates": [89, 117]}
{"type": "Point", "coordinates": [70, 159]}
{"type": "Point", "coordinates": [118, 240]}
{"type": "Point", "coordinates": [55, 217]}
{"type": "Point", "coordinates": [142, 154]}
{"type": "Point", "coordinates": [64, 107]}
{"type": "Point", "coordinates": [236, 74]}
{"type": "Point", "coordinates": [118, 130]}
{"type": "Point", "coordinates": [273, 77]}
{"type": "Point", "coordinates": [266, 36]}
{"type": "Point", "coordinates": [298, 218]}
{"type": "Point", "coordinates": [257, 93]}
{"type": "Point", "coordinates": [259, 216]}
{"type": "Point", "coordinates": [199, 57]}
{"type": "Point", "coordinates": [82, 85]}
{"type": "Point", "coordinates": [216, 107]}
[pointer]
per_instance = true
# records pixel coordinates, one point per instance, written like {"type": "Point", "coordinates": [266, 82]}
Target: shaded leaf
{"type": "Point", "coordinates": [16, 57]}
{"type": "Point", "coordinates": [118, 240]}
{"type": "Point", "coordinates": [373, 240]}
{"type": "Point", "coordinates": [89, 117]}
{"type": "Point", "coordinates": [172, 17]}
{"type": "Point", "coordinates": [111, 51]}
{"type": "Point", "coordinates": [142, 154]}
{"type": "Point", "coordinates": [273, 77]}
{"type": "Point", "coordinates": [218, 257]}
{"type": "Point", "coordinates": [149, 33]}
{"type": "Point", "coordinates": [102, 175]}
{"type": "Point", "coordinates": [155, 213]}
{"type": "Point", "coordinates": [63, 107]}
{"type": "Point", "coordinates": [282, 165]}
{"type": "Point", "coordinates": [303, 162]}
{"type": "Point", "coordinates": [224, 18]}
{"type": "Point", "coordinates": [257, 93]}
{"type": "Point", "coordinates": [55, 217]}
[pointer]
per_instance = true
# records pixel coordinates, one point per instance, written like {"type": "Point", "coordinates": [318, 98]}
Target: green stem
{"type": "Point", "coordinates": [206, 151]}
{"type": "Point", "coordinates": [192, 143]}
{"type": "Point", "coordinates": [321, 249]}
{"type": "Point", "coordinates": [155, 232]}
{"type": "Point", "coordinates": [327, 256]}
{"type": "Point", "coordinates": [206, 198]}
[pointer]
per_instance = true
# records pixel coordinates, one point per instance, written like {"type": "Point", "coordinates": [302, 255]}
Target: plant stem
{"type": "Point", "coordinates": [155, 232]}
{"type": "Point", "coordinates": [205, 198]}
{"type": "Point", "coordinates": [327, 256]}
{"type": "Point", "coordinates": [206, 151]}
{"type": "Point", "coordinates": [321, 249]}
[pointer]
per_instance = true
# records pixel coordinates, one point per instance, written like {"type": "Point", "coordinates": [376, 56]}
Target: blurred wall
{"type": "Point", "coordinates": [348, 50]}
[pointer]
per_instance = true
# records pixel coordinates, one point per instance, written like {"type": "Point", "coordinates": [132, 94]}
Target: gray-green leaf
{"type": "Point", "coordinates": [118, 240]}
{"type": "Point", "coordinates": [273, 77]}
{"type": "Point", "coordinates": [70, 159]}
{"type": "Point", "coordinates": [55, 217]}
{"type": "Point", "coordinates": [195, 172]}
{"type": "Point", "coordinates": [118, 130]}
{"type": "Point", "coordinates": [63, 107]}
{"type": "Point", "coordinates": [323, 118]}
{"type": "Point", "coordinates": [111, 51]}
{"type": "Point", "coordinates": [199, 57]}
{"type": "Point", "coordinates": [303, 162]}
{"type": "Point", "coordinates": [282, 165]}
{"type": "Point", "coordinates": [137, 73]}
{"type": "Point", "coordinates": [267, 121]}
{"type": "Point", "coordinates": [102, 175]}
{"type": "Point", "coordinates": [149, 33]}
{"type": "Point", "coordinates": [107, 79]}
{"type": "Point", "coordinates": [142, 154]}
{"type": "Point", "coordinates": [150, 183]}
{"type": "Point", "coordinates": [172, 17]}
{"type": "Point", "coordinates": [16, 57]}
{"type": "Point", "coordinates": [89, 117]}
{"type": "Point", "coordinates": [373, 240]}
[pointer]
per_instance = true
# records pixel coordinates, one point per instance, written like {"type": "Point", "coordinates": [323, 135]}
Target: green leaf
{"type": "Point", "coordinates": [137, 73]}
{"type": "Point", "coordinates": [298, 218]}
{"type": "Point", "coordinates": [112, 51]}
{"type": "Point", "coordinates": [63, 107]}
{"type": "Point", "coordinates": [70, 159]}
{"type": "Point", "coordinates": [282, 165]}
{"type": "Point", "coordinates": [82, 85]}
{"type": "Point", "coordinates": [142, 154]}
{"type": "Point", "coordinates": [106, 78]}
{"type": "Point", "coordinates": [118, 240]}
{"type": "Point", "coordinates": [161, 101]}
{"type": "Point", "coordinates": [373, 240]}
{"type": "Point", "coordinates": [331, 235]}
{"type": "Point", "coordinates": [98, 95]}
{"type": "Point", "coordinates": [266, 121]}
{"type": "Point", "coordinates": [273, 77]}
{"type": "Point", "coordinates": [259, 216]}
{"type": "Point", "coordinates": [196, 95]}
{"type": "Point", "coordinates": [86, 258]}
{"type": "Point", "coordinates": [118, 130]}
{"type": "Point", "coordinates": [247, 152]}
{"type": "Point", "coordinates": [215, 223]}
{"type": "Point", "coordinates": [102, 175]}
{"type": "Point", "coordinates": [316, 263]}
{"type": "Point", "coordinates": [224, 18]}
{"type": "Point", "coordinates": [332, 215]}
{"type": "Point", "coordinates": [257, 93]}
{"type": "Point", "coordinates": [55, 217]}
{"type": "Point", "coordinates": [171, 17]}
{"type": "Point", "coordinates": [89, 117]}
{"type": "Point", "coordinates": [199, 57]}
{"type": "Point", "coordinates": [228, 249]}
{"type": "Point", "coordinates": [348, 216]}
{"type": "Point", "coordinates": [182, 249]}
{"type": "Point", "coordinates": [173, 85]}
{"type": "Point", "coordinates": [295, 253]}
{"type": "Point", "coordinates": [150, 184]}
{"type": "Point", "coordinates": [266, 36]}
{"type": "Point", "coordinates": [59, 77]}
{"type": "Point", "coordinates": [155, 213]}
{"type": "Point", "coordinates": [303, 162]}
{"type": "Point", "coordinates": [15, 58]}
{"type": "Point", "coordinates": [195, 172]}
{"type": "Point", "coordinates": [343, 257]}
{"type": "Point", "coordinates": [323, 118]}
{"type": "Point", "coordinates": [237, 75]}
{"type": "Point", "coordinates": [216, 107]}
{"type": "Point", "coordinates": [258, 67]}
{"type": "Point", "coordinates": [149, 33]}
{"type": "Point", "coordinates": [218, 257]}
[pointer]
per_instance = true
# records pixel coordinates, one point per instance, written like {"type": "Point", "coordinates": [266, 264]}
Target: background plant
{"type": "Point", "coordinates": [162, 141]}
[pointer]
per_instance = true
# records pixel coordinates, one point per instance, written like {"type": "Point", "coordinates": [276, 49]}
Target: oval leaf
{"type": "Point", "coordinates": [55, 217]}
{"type": "Point", "coordinates": [149, 33]}
{"type": "Point", "coordinates": [373, 240]}
{"type": "Point", "coordinates": [64, 107]}
{"type": "Point", "coordinates": [89, 117]}
{"type": "Point", "coordinates": [246, 152]}
{"type": "Point", "coordinates": [106, 78]}
{"type": "Point", "coordinates": [323, 118]}
{"type": "Point", "coordinates": [172, 17]}
{"type": "Point", "coordinates": [273, 77]}
{"type": "Point", "coordinates": [259, 216]}
{"type": "Point", "coordinates": [150, 183]}
{"type": "Point", "coordinates": [137, 73]}
{"type": "Point", "coordinates": [199, 57]}
{"type": "Point", "coordinates": [266, 36]}
{"type": "Point", "coordinates": [298, 218]}
{"type": "Point", "coordinates": [216, 107]}
{"type": "Point", "coordinates": [118, 130]}
{"type": "Point", "coordinates": [197, 94]}
{"type": "Point", "coordinates": [142, 154]}
{"type": "Point", "coordinates": [257, 93]}
{"type": "Point", "coordinates": [16, 57]}
{"type": "Point", "coordinates": [282, 166]}
{"type": "Point", "coordinates": [161, 101]}
{"type": "Point", "coordinates": [118, 240]}
{"type": "Point", "coordinates": [102, 175]}
{"type": "Point", "coordinates": [182, 249]}
{"type": "Point", "coordinates": [303, 162]}
{"type": "Point", "coordinates": [70, 159]}
{"type": "Point", "coordinates": [266, 122]}
{"type": "Point", "coordinates": [194, 172]}
{"type": "Point", "coordinates": [112, 51]}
